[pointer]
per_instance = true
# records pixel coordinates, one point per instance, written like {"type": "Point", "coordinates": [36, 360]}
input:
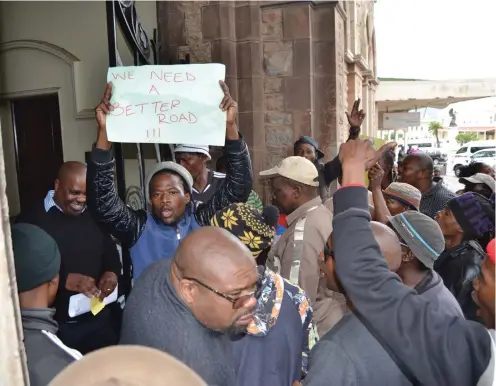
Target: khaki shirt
{"type": "Point", "coordinates": [295, 257]}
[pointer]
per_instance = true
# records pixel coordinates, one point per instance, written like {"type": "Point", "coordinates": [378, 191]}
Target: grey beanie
{"type": "Point", "coordinates": [422, 235]}
{"type": "Point", "coordinates": [36, 256]}
{"type": "Point", "coordinates": [168, 166]}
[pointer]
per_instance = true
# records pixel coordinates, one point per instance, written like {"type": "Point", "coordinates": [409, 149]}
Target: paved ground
{"type": "Point", "coordinates": [451, 182]}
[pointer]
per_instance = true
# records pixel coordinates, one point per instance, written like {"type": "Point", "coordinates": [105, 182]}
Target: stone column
{"type": "Point", "coordinates": [285, 65]}
{"type": "Point", "coordinates": [329, 83]}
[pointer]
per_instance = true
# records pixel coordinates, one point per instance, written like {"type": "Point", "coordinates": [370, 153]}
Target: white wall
{"type": "Point", "coordinates": [61, 47]}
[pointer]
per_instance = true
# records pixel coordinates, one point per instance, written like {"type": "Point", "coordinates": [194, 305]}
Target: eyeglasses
{"type": "Point", "coordinates": [328, 253]}
{"type": "Point", "coordinates": [240, 301]}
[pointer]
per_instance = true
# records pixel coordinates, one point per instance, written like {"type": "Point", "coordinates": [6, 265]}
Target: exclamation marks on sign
{"type": "Point", "coordinates": [153, 134]}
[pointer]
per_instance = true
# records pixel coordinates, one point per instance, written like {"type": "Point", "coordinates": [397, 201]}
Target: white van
{"type": "Point", "coordinates": [462, 155]}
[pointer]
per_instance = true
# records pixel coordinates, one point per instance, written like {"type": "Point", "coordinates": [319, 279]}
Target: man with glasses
{"type": "Point", "coordinates": [186, 307]}
{"type": "Point", "coordinates": [274, 349]}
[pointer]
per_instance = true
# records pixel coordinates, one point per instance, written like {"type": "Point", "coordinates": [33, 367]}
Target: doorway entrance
{"type": "Point", "coordinates": [38, 146]}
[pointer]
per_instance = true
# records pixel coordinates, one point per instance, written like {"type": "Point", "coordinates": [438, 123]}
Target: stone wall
{"type": "Point", "coordinates": [294, 68]}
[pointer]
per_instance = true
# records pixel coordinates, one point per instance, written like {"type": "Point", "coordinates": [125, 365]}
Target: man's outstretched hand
{"type": "Point", "coordinates": [357, 156]}
{"type": "Point", "coordinates": [101, 111]}
{"type": "Point", "coordinates": [229, 105]}
{"type": "Point", "coordinates": [104, 107]}
{"type": "Point", "coordinates": [355, 119]}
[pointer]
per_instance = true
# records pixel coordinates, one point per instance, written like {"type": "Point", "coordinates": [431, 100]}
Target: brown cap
{"type": "Point", "coordinates": [127, 366]}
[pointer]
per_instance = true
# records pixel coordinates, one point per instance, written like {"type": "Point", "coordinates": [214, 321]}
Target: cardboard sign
{"type": "Point", "coordinates": [167, 104]}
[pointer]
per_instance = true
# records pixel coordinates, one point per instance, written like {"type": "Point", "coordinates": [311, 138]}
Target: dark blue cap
{"type": "Point", "coordinates": [312, 142]}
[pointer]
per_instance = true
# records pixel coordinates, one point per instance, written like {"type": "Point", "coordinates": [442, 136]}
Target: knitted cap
{"type": "Point", "coordinates": [248, 225]}
{"type": "Point", "coordinates": [36, 256]}
{"type": "Point", "coordinates": [127, 365]}
{"type": "Point", "coordinates": [474, 213]}
{"type": "Point", "coordinates": [193, 149]}
{"type": "Point", "coordinates": [404, 193]}
{"type": "Point", "coordinates": [168, 166]}
{"type": "Point", "coordinates": [422, 235]}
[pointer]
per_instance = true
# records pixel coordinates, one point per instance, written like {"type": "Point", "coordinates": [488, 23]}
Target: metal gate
{"type": "Point", "coordinates": [121, 14]}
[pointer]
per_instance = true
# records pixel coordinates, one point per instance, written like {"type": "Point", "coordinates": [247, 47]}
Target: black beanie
{"type": "Point", "coordinates": [474, 213]}
{"type": "Point", "coordinates": [36, 256]}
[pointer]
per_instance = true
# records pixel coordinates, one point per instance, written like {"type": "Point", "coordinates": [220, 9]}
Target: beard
{"type": "Point", "coordinates": [235, 329]}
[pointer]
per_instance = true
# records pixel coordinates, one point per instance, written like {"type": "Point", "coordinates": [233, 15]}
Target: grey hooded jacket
{"type": "Point", "coordinates": [46, 354]}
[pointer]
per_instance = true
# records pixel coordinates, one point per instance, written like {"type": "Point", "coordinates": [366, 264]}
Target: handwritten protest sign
{"type": "Point", "coordinates": [167, 104]}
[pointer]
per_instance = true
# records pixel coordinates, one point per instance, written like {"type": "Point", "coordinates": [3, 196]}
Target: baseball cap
{"type": "Point", "coordinates": [422, 235]}
{"type": "Point", "coordinates": [168, 166]}
{"type": "Point", "coordinates": [312, 142]}
{"type": "Point", "coordinates": [404, 193]}
{"type": "Point", "coordinates": [479, 178]}
{"type": "Point", "coordinates": [129, 365]}
{"type": "Point", "coordinates": [192, 149]}
{"type": "Point", "coordinates": [295, 168]}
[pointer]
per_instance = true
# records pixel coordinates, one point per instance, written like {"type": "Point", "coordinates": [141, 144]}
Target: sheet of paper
{"type": "Point", "coordinates": [96, 305]}
{"type": "Point", "coordinates": [81, 304]}
{"type": "Point", "coordinates": [167, 104]}
{"type": "Point", "coordinates": [377, 142]}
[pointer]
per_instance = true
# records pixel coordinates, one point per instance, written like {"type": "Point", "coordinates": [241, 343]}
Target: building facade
{"type": "Point", "coordinates": [293, 67]}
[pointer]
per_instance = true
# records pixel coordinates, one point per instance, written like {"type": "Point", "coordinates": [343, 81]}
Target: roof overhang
{"type": "Point", "coordinates": [405, 95]}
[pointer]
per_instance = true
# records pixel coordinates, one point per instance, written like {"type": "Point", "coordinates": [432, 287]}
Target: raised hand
{"type": "Point", "coordinates": [356, 117]}
{"type": "Point", "coordinates": [362, 152]}
{"type": "Point", "coordinates": [228, 104]}
{"type": "Point", "coordinates": [104, 107]}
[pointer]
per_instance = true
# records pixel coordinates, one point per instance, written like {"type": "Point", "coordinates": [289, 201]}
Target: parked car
{"type": "Point", "coordinates": [487, 156]}
{"type": "Point", "coordinates": [437, 155]}
{"type": "Point", "coordinates": [463, 155]}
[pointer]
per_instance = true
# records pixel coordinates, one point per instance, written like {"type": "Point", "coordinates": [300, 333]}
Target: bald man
{"type": "Point", "coordinates": [186, 306]}
{"type": "Point", "coordinates": [90, 262]}
{"type": "Point", "coordinates": [349, 354]}
{"type": "Point", "coordinates": [418, 171]}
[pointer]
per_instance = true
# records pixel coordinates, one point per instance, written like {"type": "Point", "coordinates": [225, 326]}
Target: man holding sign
{"type": "Point", "coordinates": [156, 234]}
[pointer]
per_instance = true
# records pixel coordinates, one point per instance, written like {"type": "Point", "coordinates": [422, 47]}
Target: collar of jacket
{"type": "Point", "coordinates": [39, 319]}
{"type": "Point", "coordinates": [184, 222]}
{"type": "Point", "coordinates": [302, 210]}
{"type": "Point", "coordinates": [268, 305]}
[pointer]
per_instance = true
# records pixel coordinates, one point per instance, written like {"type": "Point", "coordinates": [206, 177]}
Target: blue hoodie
{"type": "Point", "coordinates": [159, 241]}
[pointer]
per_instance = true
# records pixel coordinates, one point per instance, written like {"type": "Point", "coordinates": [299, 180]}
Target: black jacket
{"type": "Point", "coordinates": [127, 225]}
{"type": "Point", "coordinates": [434, 347]}
{"type": "Point", "coordinates": [458, 267]}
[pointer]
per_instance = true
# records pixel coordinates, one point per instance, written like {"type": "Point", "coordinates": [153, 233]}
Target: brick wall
{"type": "Point", "coordinates": [291, 67]}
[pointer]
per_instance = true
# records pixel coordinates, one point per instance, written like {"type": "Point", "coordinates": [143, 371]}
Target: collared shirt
{"type": "Point", "coordinates": [435, 199]}
{"type": "Point", "coordinates": [50, 202]}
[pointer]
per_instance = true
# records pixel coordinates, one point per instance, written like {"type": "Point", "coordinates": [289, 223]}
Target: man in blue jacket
{"type": "Point", "coordinates": [156, 234]}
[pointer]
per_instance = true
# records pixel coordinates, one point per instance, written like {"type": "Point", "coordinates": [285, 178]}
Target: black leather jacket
{"type": "Point", "coordinates": [458, 267]}
{"type": "Point", "coordinates": [127, 225]}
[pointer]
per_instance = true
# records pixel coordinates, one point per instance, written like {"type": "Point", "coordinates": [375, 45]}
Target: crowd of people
{"type": "Point", "coordinates": [387, 284]}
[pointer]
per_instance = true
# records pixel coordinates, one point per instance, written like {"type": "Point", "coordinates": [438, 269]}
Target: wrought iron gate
{"type": "Point", "coordinates": [122, 14]}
